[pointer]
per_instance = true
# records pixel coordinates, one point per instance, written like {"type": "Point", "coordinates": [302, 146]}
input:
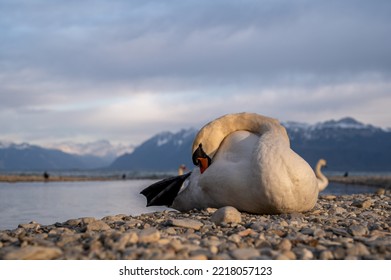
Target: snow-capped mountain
{"type": "Point", "coordinates": [329, 129]}
{"type": "Point", "coordinates": [346, 144]}
{"type": "Point", "coordinates": [26, 157]}
{"type": "Point", "coordinates": [102, 148]}
{"type": "Point", "coordinates": [163, 152]}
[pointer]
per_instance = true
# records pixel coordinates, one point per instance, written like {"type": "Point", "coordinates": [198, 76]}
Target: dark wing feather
{"type": "Point", "coordinates": [163, 193]}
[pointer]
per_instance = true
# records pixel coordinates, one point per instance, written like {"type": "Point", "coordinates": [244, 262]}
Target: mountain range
{"type": "Point", "coordinates": [346, 144]}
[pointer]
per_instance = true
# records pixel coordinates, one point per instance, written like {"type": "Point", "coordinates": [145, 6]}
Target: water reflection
{"type": "Point", "coordinates": [340, 189]}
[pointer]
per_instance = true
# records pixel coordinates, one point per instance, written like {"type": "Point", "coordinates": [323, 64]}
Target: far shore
{"type": "Point", "coordinates": [38, 178]}
{"type": "Point", "coordinates": [375, 181]}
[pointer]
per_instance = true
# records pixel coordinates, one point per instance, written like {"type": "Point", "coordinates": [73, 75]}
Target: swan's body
{"type": "Point", "coordinates": [322, 180]}
{"type": "Point", "coordinates": [253, 169]}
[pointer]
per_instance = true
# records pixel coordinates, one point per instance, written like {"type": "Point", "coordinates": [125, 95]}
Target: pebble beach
{"type": "Point", "coordinates": [337, 228]}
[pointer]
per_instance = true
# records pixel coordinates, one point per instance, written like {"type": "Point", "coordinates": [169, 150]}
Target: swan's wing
{"type": "Point", "coordinates": [163, 193]}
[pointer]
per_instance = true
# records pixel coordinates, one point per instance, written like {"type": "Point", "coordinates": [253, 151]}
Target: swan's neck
{"type": "Point", "coordinates": [213, 134]}
{"type": "Point", "coordinates": [322, 180]}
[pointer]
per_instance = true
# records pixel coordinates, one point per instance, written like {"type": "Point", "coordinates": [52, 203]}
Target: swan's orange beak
{"type": "Point", "coordinates": [203, 164]}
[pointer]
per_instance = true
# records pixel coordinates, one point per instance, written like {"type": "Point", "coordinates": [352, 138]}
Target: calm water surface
{"type": "Point", "coordinates": [47, 203]}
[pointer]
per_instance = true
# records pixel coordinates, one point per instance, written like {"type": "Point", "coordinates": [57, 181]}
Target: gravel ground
{"type": "Point", "coordinates": [339, 227]}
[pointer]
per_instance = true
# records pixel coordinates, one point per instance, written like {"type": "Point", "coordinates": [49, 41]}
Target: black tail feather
{"type": "Point", "coordinates": [163, 193]}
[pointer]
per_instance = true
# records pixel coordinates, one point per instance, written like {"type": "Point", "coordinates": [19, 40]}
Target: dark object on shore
{"type": "Point", "coordinates": [46, 175]}
{"type": "Point", "coordinates": [346, 174]}
{"type": "Point", "coordinates": [123, 176]}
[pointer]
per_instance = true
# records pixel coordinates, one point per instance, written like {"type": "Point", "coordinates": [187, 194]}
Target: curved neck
{"type": "Point", "coordinates": [213, 133]}
{"type": "Point", "coordinates": [322, 179]}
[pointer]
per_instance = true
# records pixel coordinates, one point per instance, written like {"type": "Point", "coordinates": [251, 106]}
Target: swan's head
{"type": "Point", "coordinates": [322, 162]}
{"type": "Point", "coordinates": [201, 159]}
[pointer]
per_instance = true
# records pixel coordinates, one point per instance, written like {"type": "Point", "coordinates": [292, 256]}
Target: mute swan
{"type": "Point", "coordinates": [245, 161]}
{"type": "Point", "coordinates": [322, 180]}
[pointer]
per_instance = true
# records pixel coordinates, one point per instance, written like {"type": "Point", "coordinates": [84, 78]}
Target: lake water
{"type": "Point", "coordinates": [47, 203]}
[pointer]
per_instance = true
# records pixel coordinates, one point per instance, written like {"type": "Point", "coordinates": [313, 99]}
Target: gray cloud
{"type": "Point", "coordinates": [66, 66]}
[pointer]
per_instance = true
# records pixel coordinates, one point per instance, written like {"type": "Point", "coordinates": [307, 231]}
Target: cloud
{"type": "Point", "coordinates": [123, 70]}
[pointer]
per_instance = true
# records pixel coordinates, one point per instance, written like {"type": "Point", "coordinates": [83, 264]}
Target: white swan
{"type": "Point", "coordinates": [322, 180]}
{"type": "Point", "coordinates": [245, 161]}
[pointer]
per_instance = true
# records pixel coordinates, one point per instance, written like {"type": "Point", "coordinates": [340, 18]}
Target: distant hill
{"type": "Point", "coordinates": [25, 157]}
{"type": "Point", "coordinates": [163, 152]}
{"type": "Point", "coordinates": [346, 144]}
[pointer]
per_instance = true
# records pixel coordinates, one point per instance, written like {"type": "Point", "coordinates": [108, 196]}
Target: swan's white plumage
{"type": "Point", "coordinates": [253, 169]}
{"type": "Point", "coordinates": [322, 180]}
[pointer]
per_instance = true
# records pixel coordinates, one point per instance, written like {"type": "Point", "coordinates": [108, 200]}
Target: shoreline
{"type": "Point", "coordinates": [374, 181]}
{"type": "Point", "coordinates": [39, 178]}
{"type": "Point", "coordinates": [338, 227]}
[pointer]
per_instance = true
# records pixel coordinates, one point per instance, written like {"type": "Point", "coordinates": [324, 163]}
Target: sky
{"type": "Point", "coordinates": [124, 70]}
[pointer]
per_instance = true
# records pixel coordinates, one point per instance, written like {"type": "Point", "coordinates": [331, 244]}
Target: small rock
{"type": "Point", "coordinates": [329, 197]}
{"type": "Point", "coordinates": [87, 220]}
{"type": "Point", "coordinates": [339, 210]}
{"type": "Point", "coordinates": [286, 255]}
{"type": "Point", "coordinates": [285, 245]}
{"type": "Point", "coordinates": [211, 210]}
{"type": "Point", "coordinates": [303, 254]}
{"type": "Point", "coordinates": [186, 223]}
{"type": "Point", "coordinates": [358, 230]}
{"type": "Point", "coordinates": [307, 231]}
{"type": "Point", "coordinates": [380, 191]}
{"type": "Point", "coordinates": [246, 232]}
{"type": "Point", "coordinates": [33, 253]}
{"type": "Point", "coordinates": [257, 226]}
{"type": "Point", "coordinates": [227, 215]}
{"type": "Point", "coordinates": [149, 235]}
{"type": "Point", "coordinates": [326, 255]}
{"type": "Point", "coordinates": [245, 253]}
{"type": "Point", "coordinates": [176, 245]}
{"type": "Point", "coordinates": [125, 239]}
{"type": "Point", "coordinates": [67, 238]}
{"type": "Point", "coordinates": [340, 231]}
{"type": "Point", "coordinates": [73, 222]}
{"type": "Point", "coordinates": [358, 249]}
{"type": "Point", "coordinates": [362, 203]}
{"type": "Point", "coordinates": [170, 231]}
{"type": "Point", "coordinates": [31, 225]}
{"type": "Point", "coordinates": [235, 238]}
{"type": "Point", "coordinates": [319, 233]}
{"type": "Point", "coordinates": [97, 225]}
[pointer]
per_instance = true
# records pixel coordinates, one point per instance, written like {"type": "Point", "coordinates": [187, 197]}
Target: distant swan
{"type": "Point", "coordinates": [322, 180]}
{"type": "Point", "coordinates": [244, 160]}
